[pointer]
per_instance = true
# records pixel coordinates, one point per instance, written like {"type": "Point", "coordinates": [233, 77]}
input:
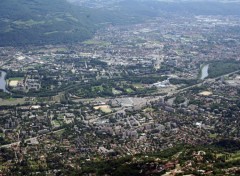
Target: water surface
{"type": "Point", "coordinates": [204, 72]}
{"type": "Point", "coordinates": [3, 81]}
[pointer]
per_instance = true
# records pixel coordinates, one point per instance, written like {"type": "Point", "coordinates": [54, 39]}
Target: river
{"type": "Point", "coordinates": [204, 72]}
{"type": "Point", "coordinates": [3, 81]}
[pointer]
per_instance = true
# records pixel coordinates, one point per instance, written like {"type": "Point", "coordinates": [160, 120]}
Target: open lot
{"type": "Point", "coordinates": [103, 108]}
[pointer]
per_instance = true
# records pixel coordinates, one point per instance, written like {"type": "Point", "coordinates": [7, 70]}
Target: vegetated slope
{"type": "Point", "coordinates": [43, 22]}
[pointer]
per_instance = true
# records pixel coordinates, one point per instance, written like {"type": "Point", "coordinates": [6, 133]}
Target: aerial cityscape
{"type": "Point", "coordinates": [158, 96]}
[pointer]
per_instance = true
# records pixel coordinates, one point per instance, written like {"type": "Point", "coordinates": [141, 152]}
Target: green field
{"type": "Point", "coordinates": [116, 92]}
{"type": "Point", "coordinates": [15, 79]}
{"type": "Point", "coordinates": [56, 123]}
{"type": "Point", "coordinates": [234, 157]}
{"type": "Point", "coordinates": [129, 90]}
{"type": "Point", "coordinates": [59, 132]}
{"type": "Point", "coordinates": [212, 135]}
{"type": "Point", "coordinates": [138, 86]}
{"type": "Point", "coordinates": [28, 23]}
{"type": "Point", "coordinates": [97, 88]}
{"type": "Point", "coordinates": [52, 32]}
{"type": "Point", "coordinates": [94, 42]}
{"type": "Point", "coordinates": [1, 134]}
{"type": "Point", "coordinates": [12, 101]}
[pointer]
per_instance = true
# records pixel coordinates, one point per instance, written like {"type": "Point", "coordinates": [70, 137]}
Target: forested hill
{"type": "Point", "coordinates": [42, 22]}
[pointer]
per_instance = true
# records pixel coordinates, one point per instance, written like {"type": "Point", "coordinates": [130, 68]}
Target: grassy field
{"type": "Point", "coordinates": [12, 101]}
{"type": "Point", "coordinates": [116, 92]}
{"type": "Point", "coordinates": [212, 135]}
{"type": "Point", "coordinates": [97, 88]}
{"type": "Point", "coordinates": [234, 157]}
{"type": "Point", "coordinates": [129, 90]}
{"type": "Point", "coordinates": [148, 110]}
{"type": "Point", "coordinates": [52, 32]}
{"type": "Point", "coordinates": [56, 123]}
{"type": "Point", "coordinates": [138, 86]}
{"type": "Point", "coordinates": [59, 132]}
{"type": "Point", "coordinates": [94, 42]}
{"type": "Point", "coordinates": [15, 79]}
{"type": "Point", "coordinates": [28, 23]}
{"type": "Point", "coordinates": [1, 134]}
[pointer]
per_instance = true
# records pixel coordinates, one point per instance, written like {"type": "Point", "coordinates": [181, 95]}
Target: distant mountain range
{"type": "Point", "coordinates": [24, 22]}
